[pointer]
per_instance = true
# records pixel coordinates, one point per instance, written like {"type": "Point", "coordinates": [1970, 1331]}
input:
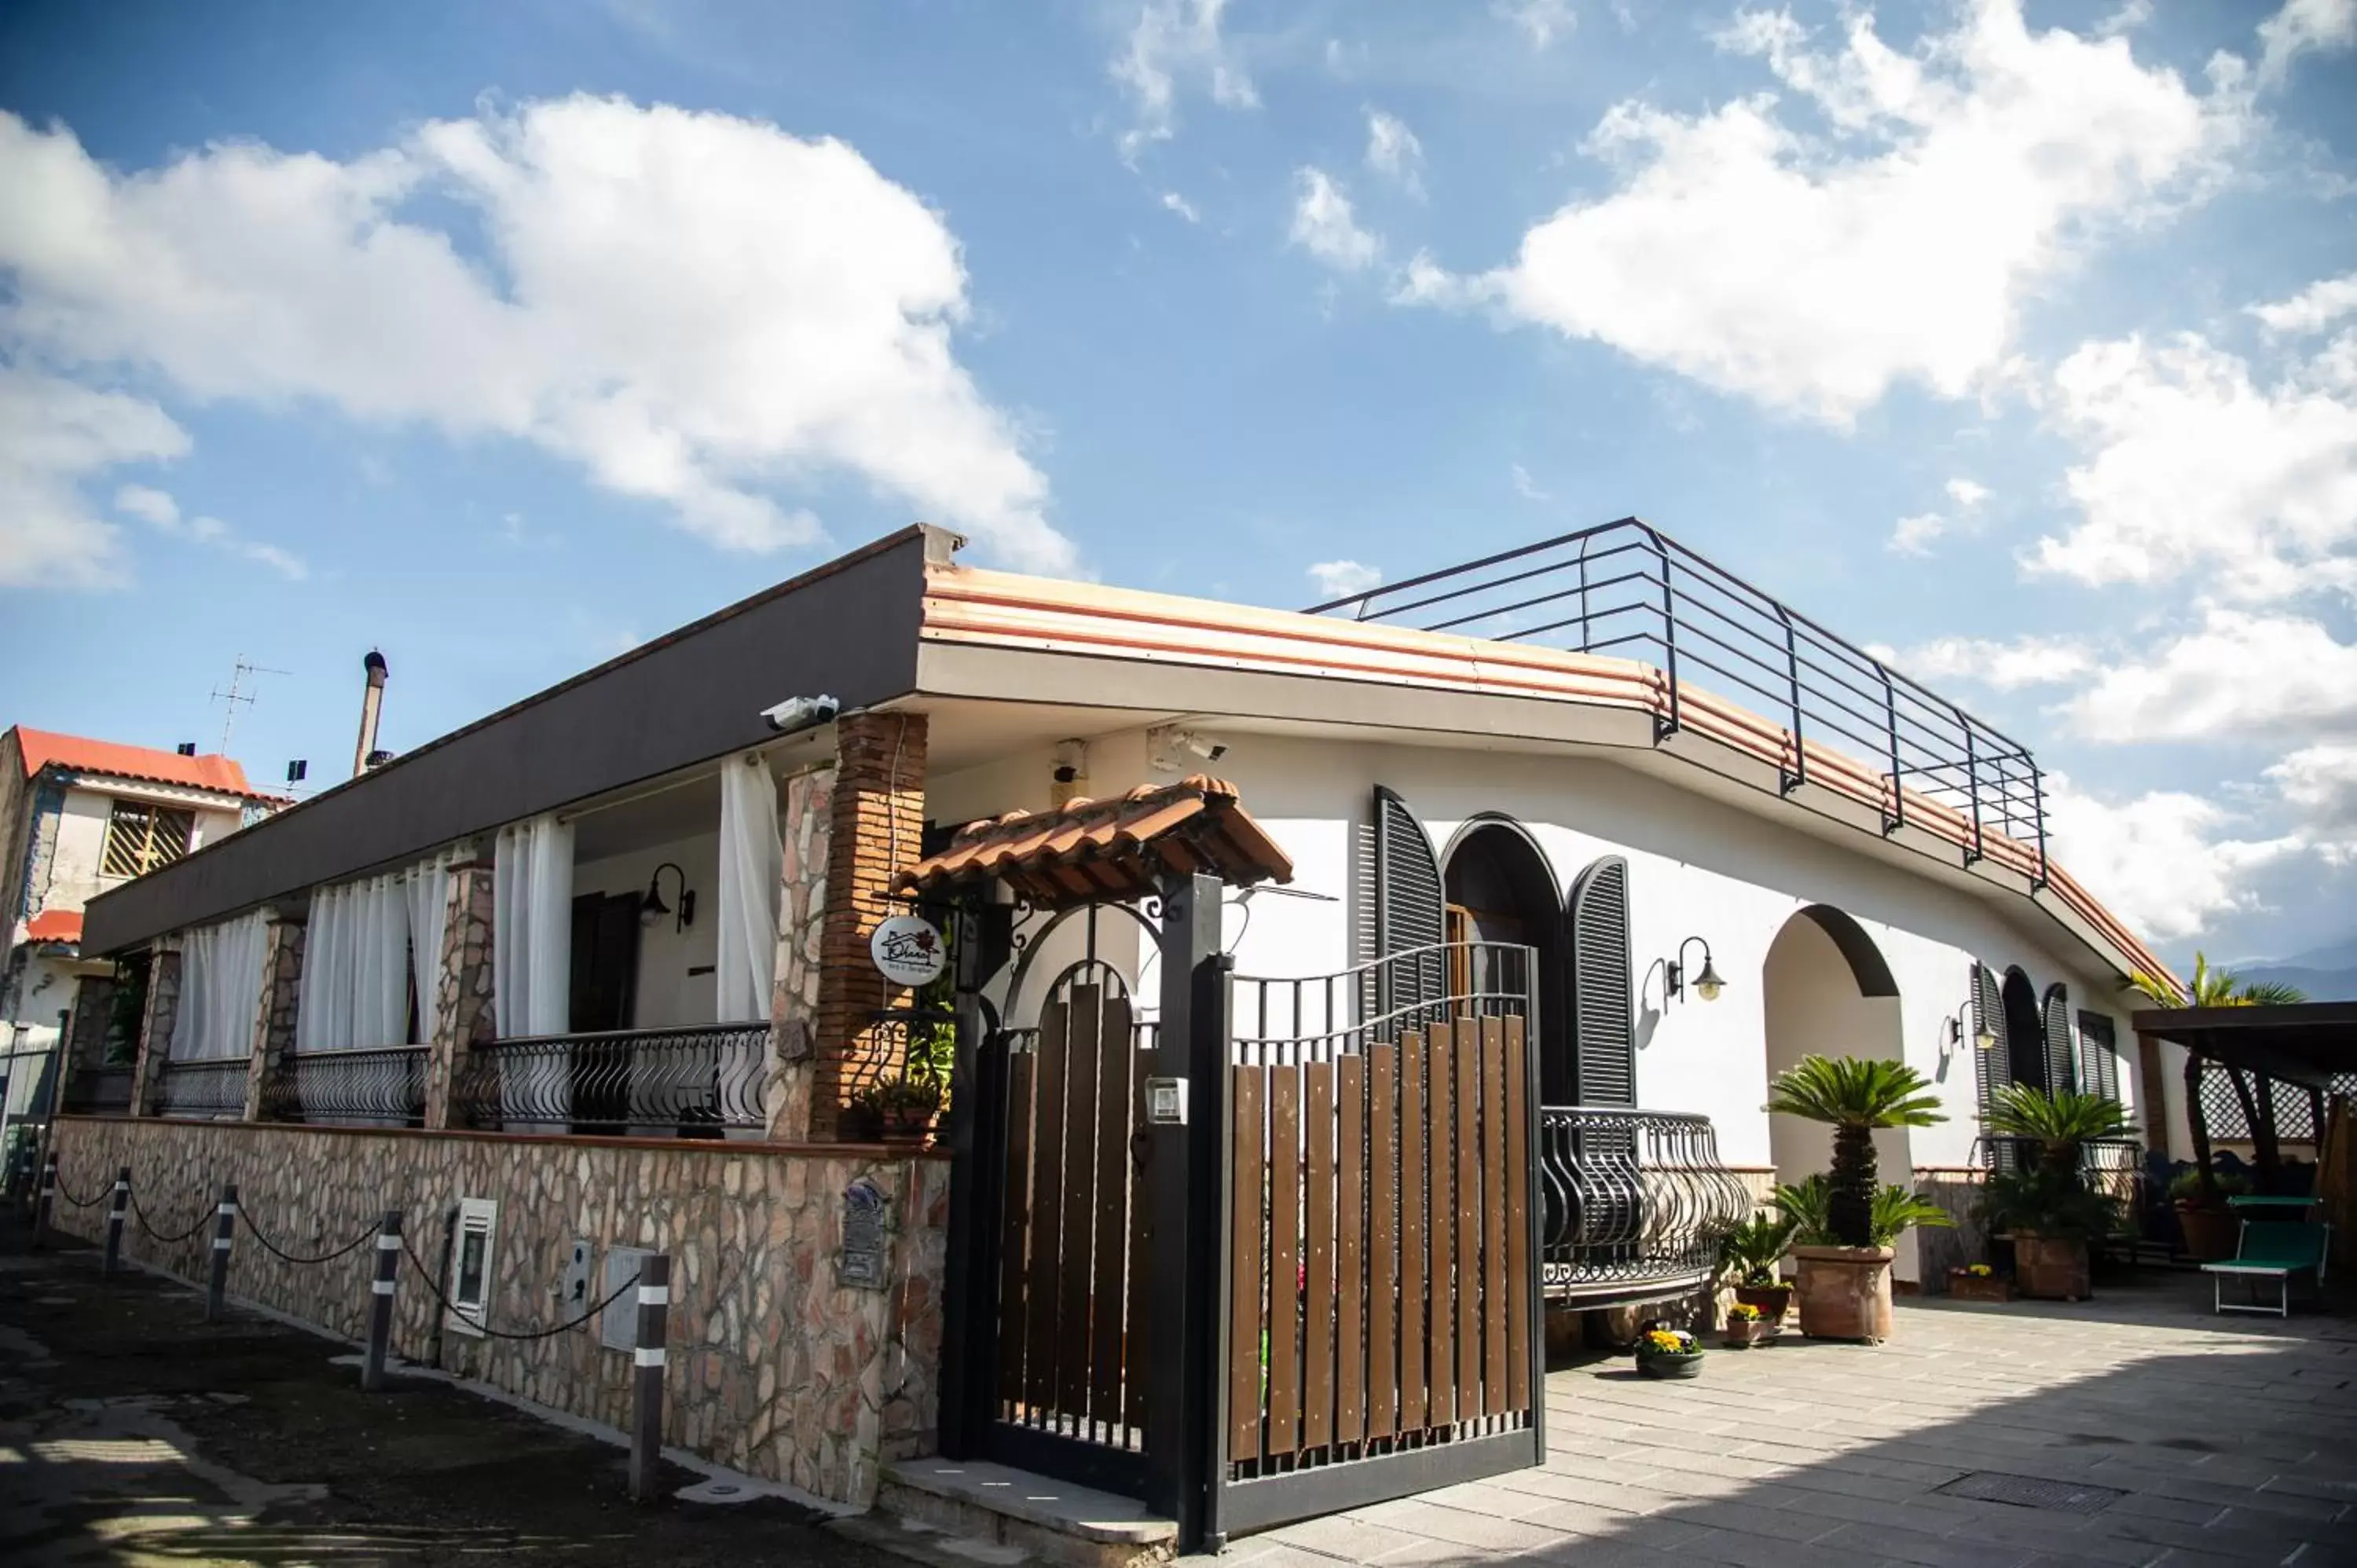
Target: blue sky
{"type": "Point", "coordinates": [501, 336]}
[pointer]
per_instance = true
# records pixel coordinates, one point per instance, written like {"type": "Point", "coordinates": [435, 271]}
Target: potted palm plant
{"type": "Point", "coordinates": [1749, 1255]}
{"type": "Point", "coordinates": [2050, 1209]}
{"type": "Point", "coordinates": [1845, 1281]}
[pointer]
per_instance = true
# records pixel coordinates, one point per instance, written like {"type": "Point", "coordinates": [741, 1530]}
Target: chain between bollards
{"type": "Point", "coordinates": [224, 1232]}
{"type": "Point", "coordinates": [48, 1201]}
{"type": "Point", "coordinates": [647, 1380]}
{"type": "Point", "coordinates": [380, 1326]}
{"type": "Point", "coordinates": [114, 1214]}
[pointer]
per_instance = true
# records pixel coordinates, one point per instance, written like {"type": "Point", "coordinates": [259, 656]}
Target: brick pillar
{"type": "Point", "coordinates": [274, 1024]}
{"type": "Point", "coordinates": [875, 826]}
{"type": "Point", "coordinates": [163, 1010]}
{"type": "Point", "coordinates": [807, 819]}
{"type": "Point", "coordinates": [462, 1016]}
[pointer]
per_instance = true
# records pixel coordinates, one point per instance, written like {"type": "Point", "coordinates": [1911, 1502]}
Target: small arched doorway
{"type": "Point", "coordinates": [1826, 991]}
{"type": "Point", "coordinates": [1498, 887]}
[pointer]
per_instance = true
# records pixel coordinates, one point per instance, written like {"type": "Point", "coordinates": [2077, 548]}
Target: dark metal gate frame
{"type": "Point", "coordinates": [1185, 1174]}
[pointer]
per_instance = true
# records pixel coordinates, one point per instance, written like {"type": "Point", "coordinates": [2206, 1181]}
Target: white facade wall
{"type": "Point", "coordinates": [1698, 867]}
{"type": "Point", "coordinates": [73, 876]}
{"type": "Point", "coordinates": [666, 995]}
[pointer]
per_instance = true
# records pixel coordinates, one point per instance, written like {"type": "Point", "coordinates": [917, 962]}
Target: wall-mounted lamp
{"type": "Point", "coordinates": [1707, 984]}
{"type": "Point", "coordinates": [1983, 1037]}
{"type": "Point", "coordinates": [652, 909]}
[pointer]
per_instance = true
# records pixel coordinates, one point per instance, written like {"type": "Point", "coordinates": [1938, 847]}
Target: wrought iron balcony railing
{"type": "Point", "coordinates": [99, 1090]}
{"type": "Point", "coordinates": [1626, 589]}
{"type": "Point", "coordinates": [375, 1087]}
{"type": "Point", "coordinates": [1637, 1202]}
{"type": "Point", "coordinates": [207, 1091]}
{"type": "Point", "coordinates": [688, 1083]}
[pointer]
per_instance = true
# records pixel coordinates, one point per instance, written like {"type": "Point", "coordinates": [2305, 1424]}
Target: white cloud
{"type": "Point", "coordinates": [1527, 488]}
{"type": "Point", "coordinates": [1813, 269]}
{"type": "Point", "coordinates": [1341, 579]}
{"type": "Point", "coordinates": [698, 310]}
{"type": "Point", "coordinates": [2192, 466]}
{"type": "Point", "coordinates": [2164, 860]}
{"type": "Point", "coordinates": [148, 504]}
{"type": "Point", "coordinates": [2007, 666]}
{"type": "Point", "coordinates": [54, 436]}
{"type": "Point", "coordinates": [1175, 40]}
{"type": "Point", "coordinates": [1174, 202]}
{"type": "Point", "coordinates": [1323, 224]}
{"type": "Point", "coordinates": [1393, 150]}
{"type": "Point", "coordinates": [1542, 22]}
{"type": "Point", "coordinates": [1967, 493]}
{"type": "Point", "coordinates": [2316, 307]}
{"type": "Point", "coordinates": [1914, 534]}
{"type": "Point", "coordinates": [2300, 27]}
{"type": "Point", "coordinates": [2321, 781]}
{"type": "Point", "coordinates": [2240, 676]}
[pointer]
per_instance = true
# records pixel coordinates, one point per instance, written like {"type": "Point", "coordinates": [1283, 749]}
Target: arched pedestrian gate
{"type": "Point", "coordinates": [1269, 1253]}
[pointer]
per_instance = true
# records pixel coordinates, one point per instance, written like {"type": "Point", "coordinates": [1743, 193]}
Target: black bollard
{"type": "Point", "coordinates": [47, 1202]}
{"type": "Point", "coordinates": [114, 1214]}
{"type": "Point", "coordinates": [647, 1380]}
{"type": "Point", "coordinates": [380, 1329]}
{"type": "Point", "coordinates": [224, 1230]}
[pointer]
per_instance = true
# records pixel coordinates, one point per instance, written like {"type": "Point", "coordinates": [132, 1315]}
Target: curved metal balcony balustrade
{"type": "Point", "coordinates": [1637, 1203]}
{"type": "Point", "coordinates": [697, 1082]}
{"type": "Point", "coordinates": [382, 1088]}
{"type": "Point", "coordinates": [205, 1091]}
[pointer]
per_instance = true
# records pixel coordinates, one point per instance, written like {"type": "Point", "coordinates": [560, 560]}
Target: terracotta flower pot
{"type": "Point", "coordinates": [1773, 1301]}
{"type": "Point", "coordinates": [2052, 1268]}
{"type": "Point", "coordinates": [1741, 1334]}
{"type": "Point", "coordinates": [2210, 1233]}
{"type": "Point", "coordinates": [1966, 1286]}
{"type": "Point", "coordinates": [1845, 1292]}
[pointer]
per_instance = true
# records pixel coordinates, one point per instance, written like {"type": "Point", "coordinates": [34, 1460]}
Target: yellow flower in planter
{"type": "Point", "coordinates": [1665, 1342]}
{"type": "Point", "coordinates": [1980, 1271]}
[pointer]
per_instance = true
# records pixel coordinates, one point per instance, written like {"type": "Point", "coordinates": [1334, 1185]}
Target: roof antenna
{"type": "Point", "coordinates": [230, 700]}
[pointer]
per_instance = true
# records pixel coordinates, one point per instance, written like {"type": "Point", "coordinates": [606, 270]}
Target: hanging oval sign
{"type": "Point", "coordinates": [908, 950]}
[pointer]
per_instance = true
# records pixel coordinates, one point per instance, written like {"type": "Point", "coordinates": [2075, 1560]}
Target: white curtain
{"type": "Point", "coordinates": [426, 889]}
{"type": "Point", "coordinates": [355, 991]}
{"type": "Point", "coordinates": [220, 990]}
{"type": "Point", "coordinates": [752, 863]}
{"type": "Point", "coordinates": [531, 928]}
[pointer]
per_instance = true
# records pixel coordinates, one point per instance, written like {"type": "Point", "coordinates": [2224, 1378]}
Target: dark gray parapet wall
{"type": "Point", "coordinates": [849, 628]}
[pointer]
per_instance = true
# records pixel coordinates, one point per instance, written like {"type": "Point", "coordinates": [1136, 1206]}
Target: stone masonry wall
{"type": "Point", "coordinates": [462, 1016]}
{"type": "Point", "coordinates": [807, 819]}
{"type": "Point", "coordinates": [155, 1026]}
{"type": "Point", "coordinates": [282, 969]}
{"type": "Point", "coordinates": [775, 1368]}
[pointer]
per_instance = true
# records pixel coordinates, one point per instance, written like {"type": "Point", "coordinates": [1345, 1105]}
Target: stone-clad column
{"type": "Point", "coordinates": [156, 1022]}
{"type": "Point", "coordinates": [877, 825]}
{"type": "Point", "coordinates": [462, 1016]}
{"type": "Point", "coordinates": [807, 819]}
{"type": "Point", "coordinates": [273, 1023]}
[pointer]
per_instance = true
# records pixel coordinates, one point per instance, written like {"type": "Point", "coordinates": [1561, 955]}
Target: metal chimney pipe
{"type": "Point", "coordinates": [371, 703]}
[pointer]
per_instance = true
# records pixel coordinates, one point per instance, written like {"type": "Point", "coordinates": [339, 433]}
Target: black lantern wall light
{"type": "Point", "coordinates": [652, 909]}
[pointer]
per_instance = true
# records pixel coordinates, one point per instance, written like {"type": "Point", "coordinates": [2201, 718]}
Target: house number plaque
{"type": "Point", "coordinates": [860, 1266]}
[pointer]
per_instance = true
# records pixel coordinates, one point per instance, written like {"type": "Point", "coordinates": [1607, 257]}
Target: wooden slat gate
{"type": "Point", "coordinates": [1383, 1331]}
{"type": "Point", "coordinates": [1067, 1394]}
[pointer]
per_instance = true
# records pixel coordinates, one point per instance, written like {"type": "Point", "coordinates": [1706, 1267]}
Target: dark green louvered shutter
{"type": "Point", "coordinates": [2098, 1056]}
{"type": "Point", "coordinates": [1993, 1068]}
{"type": "Point", "coordinates": [1603, 1022]}
{"type": "Point", "coordinates": [2062, 1058]}
{"type": "Point", "coordinates": [1409, 918]}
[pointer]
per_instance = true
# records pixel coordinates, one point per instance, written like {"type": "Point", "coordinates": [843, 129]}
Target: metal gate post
{"type": "Point", "coordinates": [1185, 1180]}
{"type": "Point", "coordinates": [977, 1160]}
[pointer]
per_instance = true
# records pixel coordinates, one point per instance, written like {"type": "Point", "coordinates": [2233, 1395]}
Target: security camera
{"type": "Point", "coordinates": [1168, 747]}
{"type": "Point", "coordinates": [801, 712]}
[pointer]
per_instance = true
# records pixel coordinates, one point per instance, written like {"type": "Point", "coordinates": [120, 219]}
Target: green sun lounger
{"type": "Point", "coordinates": [2271, 1250]}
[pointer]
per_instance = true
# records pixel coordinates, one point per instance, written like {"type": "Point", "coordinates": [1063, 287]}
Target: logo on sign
{"type": "Point", "coordinates": [908, 950]}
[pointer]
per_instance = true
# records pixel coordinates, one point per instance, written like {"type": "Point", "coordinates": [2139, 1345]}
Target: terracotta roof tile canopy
{"type": "Point", "coordinates": [43, 748]}
{"type": "Point", "coordinates": [1116, 849]}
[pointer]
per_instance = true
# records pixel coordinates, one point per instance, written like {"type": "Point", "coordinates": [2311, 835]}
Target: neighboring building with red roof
{"type": "Point", "coordinates": [77, 817]}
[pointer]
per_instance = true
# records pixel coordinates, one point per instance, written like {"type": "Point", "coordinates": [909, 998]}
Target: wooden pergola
{"type": "Point", "coordinates": [2306, 1042]}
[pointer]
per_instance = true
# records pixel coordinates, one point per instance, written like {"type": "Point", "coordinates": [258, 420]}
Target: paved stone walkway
{"type": "Point", "coordinates": [2216, 1441]}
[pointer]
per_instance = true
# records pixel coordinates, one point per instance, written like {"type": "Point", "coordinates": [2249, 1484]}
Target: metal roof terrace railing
{"type": "Point", "coordinates": [1628, 590]}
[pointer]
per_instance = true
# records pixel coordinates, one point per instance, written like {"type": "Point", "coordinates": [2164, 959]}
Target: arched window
{"type": "Point", "coordinates": [1603, 1021]}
